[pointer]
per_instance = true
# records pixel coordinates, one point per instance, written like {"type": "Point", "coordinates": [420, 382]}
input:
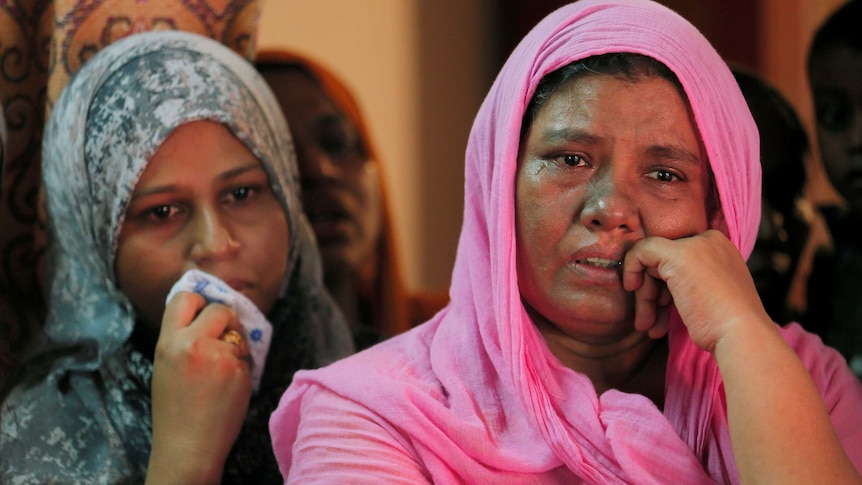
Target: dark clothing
{"type": "Point", "coordinates": [835, 287]}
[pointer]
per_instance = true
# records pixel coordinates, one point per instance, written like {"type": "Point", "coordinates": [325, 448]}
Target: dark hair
{"type": "Point", "coordinates": [781, 133]}
{"type": "Point", "coordinates": [841, 28]}
{"type": "Point", "coordinates": [626, 66]}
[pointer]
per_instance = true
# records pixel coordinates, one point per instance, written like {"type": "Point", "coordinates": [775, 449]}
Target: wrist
{"type": "Point", "coordinates": [187, 465]}
{"type": "Point", "coordinates": [743, 337]}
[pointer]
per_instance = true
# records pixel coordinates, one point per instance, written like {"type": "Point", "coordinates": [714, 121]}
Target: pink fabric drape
{"type": "Point", "coordinates": [475, 393]}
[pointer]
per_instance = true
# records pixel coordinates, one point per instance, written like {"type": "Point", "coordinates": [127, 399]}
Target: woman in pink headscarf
{"type": "Point", "coordinates": [603, 326]}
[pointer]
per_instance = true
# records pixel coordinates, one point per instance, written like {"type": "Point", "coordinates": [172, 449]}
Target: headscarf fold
{"type": "Point", "coordinates": [84, 412]}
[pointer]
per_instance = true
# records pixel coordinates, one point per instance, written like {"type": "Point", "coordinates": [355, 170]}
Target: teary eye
{"type": "Point", "coordinates": [572, 160]}
{"type": "Point", "coordinates": [162, 212]}
{"type": "Point", "coordinates": [241, 193]}
{"type": "Point", "coordinates": [664, 176]}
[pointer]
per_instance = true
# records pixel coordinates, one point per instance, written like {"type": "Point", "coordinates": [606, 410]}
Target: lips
{"type": "Point", "coordinates": [329, 214]}
{"type": "Point", "coordinates": [601, 262]}
{"type": "Point", "coordinates": [600, 255]}
{"type": "Point", "coordinates": [237, 284]}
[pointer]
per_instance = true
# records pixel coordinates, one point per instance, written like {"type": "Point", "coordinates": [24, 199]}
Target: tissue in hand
{"type": "Point", "coordinates": [256, 329]}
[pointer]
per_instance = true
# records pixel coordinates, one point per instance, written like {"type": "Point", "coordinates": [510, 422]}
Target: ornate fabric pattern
{"type": "Point", "coordinates": [24, 38]}
{"type": "Point", "coordinates": [81, 415]}
{"type": "Point", "coordinates": [83, 27]}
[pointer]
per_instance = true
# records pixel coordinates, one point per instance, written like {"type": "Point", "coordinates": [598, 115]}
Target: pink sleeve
{"type": "Point", "coordinates": [840, 389]}
{"type": "Point", "coordinates": [843, 399]}
{"type": "Point", "coordinates": [340, 441]}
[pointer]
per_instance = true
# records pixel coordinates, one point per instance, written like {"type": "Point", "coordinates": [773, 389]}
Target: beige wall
{"type": "Point", "coordinates": [419, 71]}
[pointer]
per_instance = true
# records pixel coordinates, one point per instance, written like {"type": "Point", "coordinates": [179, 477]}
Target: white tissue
{"type": "Point", "coordinates": [256, 329]}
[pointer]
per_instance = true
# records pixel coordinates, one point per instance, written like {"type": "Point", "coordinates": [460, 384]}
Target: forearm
{"type": "Point", "coordinates": [172, 465]}
{"type": "Point", "coordinates": [779, 427]}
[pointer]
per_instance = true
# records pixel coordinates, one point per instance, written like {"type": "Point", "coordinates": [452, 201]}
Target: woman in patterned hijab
{"type": "Point", "coordinates": [86, 410]}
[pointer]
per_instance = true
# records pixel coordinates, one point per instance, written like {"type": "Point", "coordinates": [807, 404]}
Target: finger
{"type": "Point", "coordinates": [664, 296]}
{"type": "Point", "coordinates": [214, 319]}
{"type": "Point", "coordinates": [181, 310]}
{"type": "Point", "coordinates": [646, 303]}
{"type": "Point", "coordinates": [662, 322]}
{"type": "Point", "coordinates": [644, 257]}
{"type": "Point", "coordinates": [234, 338]}
{"type": "Point", "coordinates": [633, 272]}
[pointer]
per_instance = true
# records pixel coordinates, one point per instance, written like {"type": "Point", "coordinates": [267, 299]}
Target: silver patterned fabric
{"type": "Point", "coordinates": [82, 412]}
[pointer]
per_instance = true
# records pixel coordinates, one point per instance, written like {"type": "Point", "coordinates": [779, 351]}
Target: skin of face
{"type": "Point", "coordinates": [204, 202]}
{"type": "Point", "coordinates": [340, 184]}
{"type": "Point", "coordinates": [605, 163]}
{"type": "Point", "coordinates": [836, 82]}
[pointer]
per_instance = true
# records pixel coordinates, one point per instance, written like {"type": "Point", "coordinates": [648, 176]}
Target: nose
{"type": "Point", "coordinates": [211, 238]}
{"type": "Point", "coordinates": [315, 166]}
{"type": "Point", "coordinates": [608, 204]}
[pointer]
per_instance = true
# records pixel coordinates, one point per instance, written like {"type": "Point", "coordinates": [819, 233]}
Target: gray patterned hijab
{"type": "Point", "coordinates": [83, 412]}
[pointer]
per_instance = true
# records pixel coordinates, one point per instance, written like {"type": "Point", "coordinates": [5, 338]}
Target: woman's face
{"type": "Point", "coordinates": [203, 202]}
{"type": "Point", "coordinates": [340, 185]}
{"type": "Point", "coordinates": [605, 163]}
{"type": "Point", "coordinates": [836, 80]}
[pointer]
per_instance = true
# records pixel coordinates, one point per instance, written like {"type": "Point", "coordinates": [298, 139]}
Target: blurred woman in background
{"type": "Point", "coordinates": [344, 198]}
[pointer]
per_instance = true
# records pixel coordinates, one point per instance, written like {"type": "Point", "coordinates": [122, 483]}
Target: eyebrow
{"type": "Point", "coordinates": [671, 152]}
{"type": "Point", "coordinates": [667, 152]}
{"type": "Point", "coordinates": [570, 135]}
{"type": "Point", "coordinates": [251, 166]}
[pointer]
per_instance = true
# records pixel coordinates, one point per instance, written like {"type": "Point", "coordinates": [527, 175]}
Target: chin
{"type": "Point", "coordinates": [597, 311]}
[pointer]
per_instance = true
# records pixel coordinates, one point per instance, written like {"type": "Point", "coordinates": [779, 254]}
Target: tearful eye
{"type": "Point", "coordinates": [665, 176]}
{"type": "Point", "coordinates": [241, 193]}
{"type": "Point", "coordinates": [162, 212]}
{"type": "Point", "coordinates": [572, 160]}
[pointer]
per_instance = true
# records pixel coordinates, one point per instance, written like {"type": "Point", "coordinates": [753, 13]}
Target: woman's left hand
{"type": "Point", "coordinates": [704, 276]}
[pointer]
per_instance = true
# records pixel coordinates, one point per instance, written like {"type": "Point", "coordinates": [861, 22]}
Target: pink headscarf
{"type": "Point", "coordinates": [476, 390]}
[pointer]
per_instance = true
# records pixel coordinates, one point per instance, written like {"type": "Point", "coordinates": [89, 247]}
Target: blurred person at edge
{"type": "Point", "coordinates": [835, 284]}
{"type": "Point", "coordinates": [344, 197]}
{"type": "Point", "coordinates": [784, 236]}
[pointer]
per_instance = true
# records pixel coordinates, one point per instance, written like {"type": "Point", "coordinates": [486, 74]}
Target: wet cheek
{"type": "Point", "coordinates": [676, 226]}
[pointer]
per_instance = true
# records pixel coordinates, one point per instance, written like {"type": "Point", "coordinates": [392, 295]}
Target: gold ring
{"type": "Point", "coordinates": [234, 337]}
